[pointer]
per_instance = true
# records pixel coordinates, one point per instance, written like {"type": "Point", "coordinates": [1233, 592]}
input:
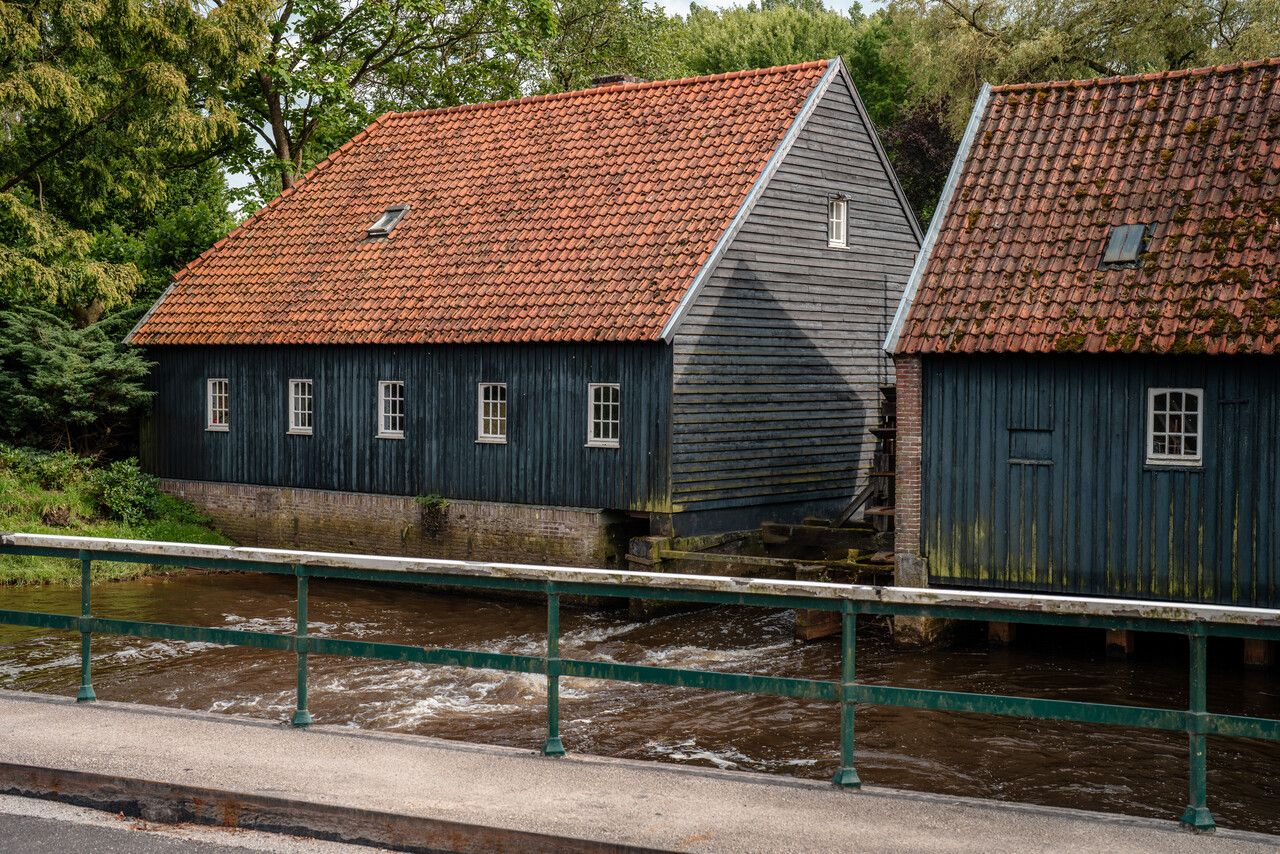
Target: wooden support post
{"type": "Point", "coordinates": [1258, 653]}
{"type": "Point", "coordinates": [1120, 643]}
{"type": "Point", "coordinates": [1001, 634]}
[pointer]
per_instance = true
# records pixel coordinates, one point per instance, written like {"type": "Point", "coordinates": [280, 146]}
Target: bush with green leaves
{"type": "Point", "coordinates": [125, 492]}
{"type": "Point", "coordinates": [66, 388]}
{"type": "Point", "coordinates": [53, 470]}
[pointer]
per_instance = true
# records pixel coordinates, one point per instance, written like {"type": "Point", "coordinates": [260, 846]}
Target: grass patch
{"type": "Point", "coordinates": [62, 493]}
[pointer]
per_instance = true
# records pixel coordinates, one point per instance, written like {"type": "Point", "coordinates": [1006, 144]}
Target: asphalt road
{"type": "Point", "coordinates": [29, 826]}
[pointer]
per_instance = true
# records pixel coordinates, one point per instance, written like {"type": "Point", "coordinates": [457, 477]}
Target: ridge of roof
{"type": "Point", "coordinates": [613, 87]}
{"type": "Point", "coordinates": [1145, 77]}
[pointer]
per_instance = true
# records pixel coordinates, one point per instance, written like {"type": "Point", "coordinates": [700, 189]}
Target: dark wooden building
{"type": "Point", "coordinates": [662, 299]}
{"type": "Point", "coordinates": [1089, 348]}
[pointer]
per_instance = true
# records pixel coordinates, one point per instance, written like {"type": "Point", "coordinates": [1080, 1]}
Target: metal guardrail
{"type": "Point", "coordinates": [1196, 622]}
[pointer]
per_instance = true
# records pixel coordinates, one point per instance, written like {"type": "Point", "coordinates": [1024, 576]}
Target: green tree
{"type": "Point", "coordinates": [953, 46]}
{"type": "Point", "coordinates": [67, 388]}
{"type": "Point", "coordinates": [99, 99]}
{"type": "Point", "coordinates": [597, 37]}
{"type": "Point", "coordinates": [776, 32]}
{"type": "Point", "coordinates": [332, 65]}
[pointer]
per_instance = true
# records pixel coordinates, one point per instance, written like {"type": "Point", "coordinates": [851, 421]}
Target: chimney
{"type": "Point", "coordinates": [614, 80]}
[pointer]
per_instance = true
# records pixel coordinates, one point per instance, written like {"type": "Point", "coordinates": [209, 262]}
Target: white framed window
{"type": "Point", "coordinates": [218, 405]}
{"type": "Point", "coordinates": [302, 406]}
{"type": "Point", "coordinates": [1175, 426]}
{"type": "Point", "coordinates": [837, 223]}
{"type": "Point", "coordinates": [491, 413]}
{"type": "Point", "coordinates": [390, 409]}
{"type": "Point", "coordinates": [604, 415]}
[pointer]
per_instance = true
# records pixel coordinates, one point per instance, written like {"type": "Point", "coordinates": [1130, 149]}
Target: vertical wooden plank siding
{"type": "Point", "coordinates": [778, 360]}
{"type": "Point", "coordinates": [1035, 478]}
{"type": "Point", "coordinates": [545, 460]}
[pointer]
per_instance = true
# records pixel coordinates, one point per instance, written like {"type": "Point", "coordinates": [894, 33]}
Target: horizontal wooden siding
{"type": "Point", "coordinates": [778, 360]}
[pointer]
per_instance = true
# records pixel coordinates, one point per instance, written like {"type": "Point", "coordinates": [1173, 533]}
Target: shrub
{"type": "Point", "coordinates": [57, 470]}
{"type": "Point", "coordinates": [67, 388]}
{"type": "Point", "coordinates": [125, 492]}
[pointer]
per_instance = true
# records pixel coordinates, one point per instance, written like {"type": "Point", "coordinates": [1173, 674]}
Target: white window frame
{"type": "Point", "coordinates": [594, 441]}
{"type": "Point", "coordinates": [385, 432]}
{"type": "Point", "coordinates": [296, 429]}
{"type": "Point", "coordinates": [838, 222]}
{"type": "Point", "coordinates": [1180, 459]}
{"type": "Point", "coordinates": [483, 436]}
{"type": "Point", "coordinates": [210, 406]}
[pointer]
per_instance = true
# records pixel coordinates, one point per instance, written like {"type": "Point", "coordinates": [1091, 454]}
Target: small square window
{"type": "Point", "coordinates": [1125, 246]}
{"type": "Point", "coordinates": [218, 405]}
{"type": "Point", "coordinates": [491, 414]}
{"type": "Point", "coordinates": [1174, 426]}
{"type": "Point", "coordinates": [301, 407]}
{"type": "Point", "coordinates": [390, 219]}
{"type": "Point", "coordinates": [604, 415]}
{"type": "Point", "coordinates": [837, 222]}
{"type": "Point", "coordinates": [391, 409]}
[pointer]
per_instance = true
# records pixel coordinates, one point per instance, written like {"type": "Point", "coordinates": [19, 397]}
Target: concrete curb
{"type": "Point", "coordinates": [170, 803]}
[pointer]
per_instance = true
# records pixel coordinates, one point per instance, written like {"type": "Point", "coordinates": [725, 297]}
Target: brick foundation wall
{"type": "Point", "coordinates": [323, 520]}
{"type": "Point", "coordinates": [907, 483]}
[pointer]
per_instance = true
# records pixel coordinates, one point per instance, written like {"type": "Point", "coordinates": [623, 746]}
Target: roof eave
{"type": "Point", "coordinates": [939, 214]}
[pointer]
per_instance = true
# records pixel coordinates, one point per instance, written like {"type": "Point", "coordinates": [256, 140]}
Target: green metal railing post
{"type": "Point", "coordinates": [847, 776]}
{"type": "Point", "coordinates": [553, 746]}
{"type": "Point", "coordinates": [302, 717]}
{"type": "Point", "coordinates": [86, 694]}
{"type": "Point", "coordinates": [1197, 815]}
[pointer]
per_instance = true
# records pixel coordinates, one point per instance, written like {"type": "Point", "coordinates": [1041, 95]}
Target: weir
{"type": "Point", "coordinates": [849, 602]}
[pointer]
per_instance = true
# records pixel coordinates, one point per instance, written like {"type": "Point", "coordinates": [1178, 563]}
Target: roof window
{"type": "Point", "coordinates": [389, 219]}
{"type": "Point", "coordinates": [1125, 246]}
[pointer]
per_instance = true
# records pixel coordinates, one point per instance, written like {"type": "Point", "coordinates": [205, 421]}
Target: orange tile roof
{"type": "Point", "coordinates": [1054, 166]}
{"type": "Point", "coordinates": [582, 216]}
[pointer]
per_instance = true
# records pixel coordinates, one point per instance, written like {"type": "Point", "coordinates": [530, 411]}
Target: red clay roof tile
{"type": "Point", "coordinates": [1054, 166]}
{"type": "Point", "coordinates": [582, 216]}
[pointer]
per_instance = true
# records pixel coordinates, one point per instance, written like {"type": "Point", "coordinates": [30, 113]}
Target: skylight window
{"type": "Point", "coordinates": [390, 219]}
{"type": "Point", "coordinates": [1125, 246]}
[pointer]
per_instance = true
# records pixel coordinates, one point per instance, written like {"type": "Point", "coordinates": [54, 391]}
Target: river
{"type": "Point", "coordinates": [1100, 768]}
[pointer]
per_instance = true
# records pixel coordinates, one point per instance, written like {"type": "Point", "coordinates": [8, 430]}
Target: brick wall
{"type": "Point", "coordinates": [323, 520]}
{"type": "Point", "coordinates": [907, 482]}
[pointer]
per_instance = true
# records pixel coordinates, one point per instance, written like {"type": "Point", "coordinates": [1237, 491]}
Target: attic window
{"type": "Point", "coordinates": [1125, 246]}
{"type": "Point", "coordinates": [389, 219]}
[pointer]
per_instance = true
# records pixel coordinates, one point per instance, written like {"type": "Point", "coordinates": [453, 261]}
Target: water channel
{"type": "Point", "coordinates": [1101, 768]}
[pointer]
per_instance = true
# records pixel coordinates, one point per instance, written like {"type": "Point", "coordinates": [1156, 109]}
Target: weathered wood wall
{"type": "Point", "coordinates": [1034, 478]}
{"type": "Point", "coordinates": [545, 460]}
{"type": "Point", "coordinates": [778, 360]}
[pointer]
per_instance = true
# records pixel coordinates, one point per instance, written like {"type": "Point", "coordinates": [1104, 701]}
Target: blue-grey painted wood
{"type": "Point", "coordinates": [545, 461]}
{"type": "Point", "coordinates": [777, 362]}
{"type": "Point", "coordinates": [1035, 478]}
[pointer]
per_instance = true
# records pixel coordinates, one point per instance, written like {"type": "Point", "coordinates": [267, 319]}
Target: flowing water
{"type": "Point", "coordinates": [1102, 768]}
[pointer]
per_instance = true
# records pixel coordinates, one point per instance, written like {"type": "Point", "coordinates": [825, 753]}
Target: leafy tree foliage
{"type": "Point", "coordinates": [331, 65]}
{"type": "Point", "coordinates": [596, 37]}
{"type": "Point", "coordinates": [67, 388]}
{"type": "Point", "coordinates": [98, 100]}
{"type": "Point", "coordinates": [953, 46]}
{"type": "Point", "coordinates": [776, 32]}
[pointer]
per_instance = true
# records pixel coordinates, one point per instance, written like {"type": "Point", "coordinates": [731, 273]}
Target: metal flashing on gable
{"type": "Point", "coordinates": [128, 339]}
{"type": "Point", "coordinates": [939, 214]}
{"type": "Point", "coordinates": [753, 195]}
